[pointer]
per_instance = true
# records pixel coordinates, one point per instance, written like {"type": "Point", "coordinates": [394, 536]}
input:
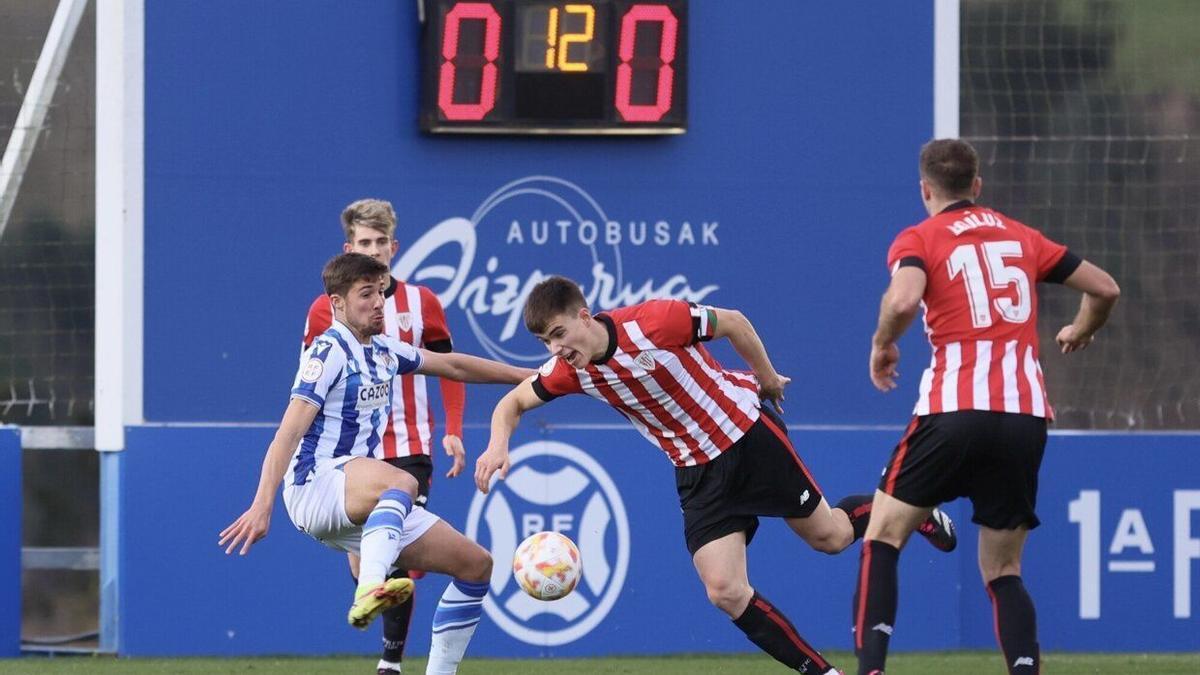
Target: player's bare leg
{"type": "Point", "coordinates": [721, 565]}
{"type": "Point", "coordinates": [446, 551]}
{"type": "Point", "coordinates": [826, 530]}
{"type": "Point", "coordinates": [893, 521]}
{"type": "Point", "coordinates": [1000, 552]}
{"type": "Point", "coordinates": [367, 479]}
{"type": "Point", "coordinates": [1016, 619]}
{"type": "Point", "coordinates": [443, 549]}
{"type": "Point", "coordinates": [832, 529]}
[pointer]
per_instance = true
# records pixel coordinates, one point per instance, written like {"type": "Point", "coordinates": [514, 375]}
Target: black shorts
{"type": "Point", "coordinates": [421, 468]}
{"type": "Point", "coordinates": [759, 475]}
{"type": "Point", "coordinates": [991, 457]}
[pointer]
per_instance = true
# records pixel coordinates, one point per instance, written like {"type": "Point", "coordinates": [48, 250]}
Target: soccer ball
{"type": "Point", "coordinates": [547, 566]}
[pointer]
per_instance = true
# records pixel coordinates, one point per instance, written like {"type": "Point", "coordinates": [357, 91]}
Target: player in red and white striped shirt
{"type": "Point", "coordinates": [979, 426]}
{"type": "Point", "coordinates": [413, 315]}
{"type": "Point", "coordinates": [734, 462]}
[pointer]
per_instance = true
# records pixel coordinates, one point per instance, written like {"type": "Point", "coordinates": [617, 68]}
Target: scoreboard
{"type": "Point", "coordinates": [537, 67]}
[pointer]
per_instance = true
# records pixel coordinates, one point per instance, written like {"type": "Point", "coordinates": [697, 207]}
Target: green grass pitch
{"type": "Point", "coordinates": [942, 663]}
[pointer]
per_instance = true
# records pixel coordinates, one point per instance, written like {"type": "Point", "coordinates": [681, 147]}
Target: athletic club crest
{"type": "Point", "coordinates": [645, 360]}
{"type": "Point", "coordinates": [404, 320]}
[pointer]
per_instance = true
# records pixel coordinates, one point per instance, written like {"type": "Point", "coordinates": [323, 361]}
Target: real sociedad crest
{"type": "Point", "coordinates": [553, 486]}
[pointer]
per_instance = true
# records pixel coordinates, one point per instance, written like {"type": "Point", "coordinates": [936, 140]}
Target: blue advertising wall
{"type": "Point", "coordinates": [797, 170]}
{"type": "Point", "coordinates": [798, 167]}
{"type": "Point", "coordinates": [10, 541]}
{"type": "Point", "coordinates": [1130, 564]}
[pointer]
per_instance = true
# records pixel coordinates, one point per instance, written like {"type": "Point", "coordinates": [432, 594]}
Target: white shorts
{"type": "Point", "coordinates": [318, 508]}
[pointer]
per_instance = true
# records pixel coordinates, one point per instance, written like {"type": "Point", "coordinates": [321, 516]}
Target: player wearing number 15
{"type": "Point", "coordinates": [979, 427]}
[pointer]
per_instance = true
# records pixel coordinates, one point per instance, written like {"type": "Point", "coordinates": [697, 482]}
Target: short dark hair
{"type": "Point", "coordinates": [950, 165]}
{"type": "Point", "coordinates": [347, 269]}
{"type": "Point", "coordinates": [550, 298]}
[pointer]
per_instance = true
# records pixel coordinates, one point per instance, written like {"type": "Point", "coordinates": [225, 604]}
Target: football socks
{"type": "Point", "coordinates": [454, 623]}
{"type": "Point", "coordinates": [874, 605]}
{"type": "Point", "coordinates": [381, 536]}
{"type": "Point", "coordinates": [1016, 625]}
{"type": "Point", "coordinates": [858, 508]}
{"type": "Point", "coordinates": [775, 635]}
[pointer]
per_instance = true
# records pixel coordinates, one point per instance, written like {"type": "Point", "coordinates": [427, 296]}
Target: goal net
{"type": "Point", "coordinates": [1086, 114]}
{"type": "Point", "coordinates": [47, 243]}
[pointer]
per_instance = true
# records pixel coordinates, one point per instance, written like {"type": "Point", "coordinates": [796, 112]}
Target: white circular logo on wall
{"type": "Point", "coordinates": [553, 486]}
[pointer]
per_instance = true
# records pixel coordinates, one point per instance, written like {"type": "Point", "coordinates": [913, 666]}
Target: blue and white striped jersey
{"type": "Point", "coordinates": [351, 385]}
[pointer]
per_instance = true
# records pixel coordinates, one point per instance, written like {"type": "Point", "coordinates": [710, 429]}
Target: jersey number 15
{"type": "Point", "coordinates": [965, 261]}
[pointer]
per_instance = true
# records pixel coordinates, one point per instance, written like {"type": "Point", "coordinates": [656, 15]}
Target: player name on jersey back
{"type": "Point", "coordinates": [973, 220]}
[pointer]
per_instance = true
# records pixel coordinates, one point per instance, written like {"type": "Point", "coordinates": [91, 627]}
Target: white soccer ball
{"type": "Point", "coordinates": [547, 565]}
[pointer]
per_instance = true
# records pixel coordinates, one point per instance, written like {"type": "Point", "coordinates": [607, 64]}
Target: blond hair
{"type": "Point", "coordinates": [376, 214]}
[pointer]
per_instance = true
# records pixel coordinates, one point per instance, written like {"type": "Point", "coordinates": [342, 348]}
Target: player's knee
{"type": "Point", "coordinates": [994, 569]}
{"type": "Point", "coordinates": [727, 595]}
{"type": "Point", "coordinates": [402, 480]}
{"type": "Point", "coordinates": [477, 567]}
{"type": "Point", "coordinates": [831, 542]}
{"type": "Point", "coordinates": [831, 539]}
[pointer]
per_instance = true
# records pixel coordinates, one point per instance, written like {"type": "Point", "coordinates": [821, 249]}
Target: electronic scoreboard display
{"type": "Point", "coordinates": [538, 67]}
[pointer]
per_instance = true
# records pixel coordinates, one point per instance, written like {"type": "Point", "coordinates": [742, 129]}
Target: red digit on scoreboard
{"type": "Point", "coordinates": [652, 112]}
{"type": "Point", "coordinates": [486, 100]}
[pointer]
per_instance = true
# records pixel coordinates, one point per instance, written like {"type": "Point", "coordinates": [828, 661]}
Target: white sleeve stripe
{"type": "Point", "coordinates": [314, 399]}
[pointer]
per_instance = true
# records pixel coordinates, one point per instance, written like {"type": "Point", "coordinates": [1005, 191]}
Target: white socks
{"type": "Point", "coordinates": [454, 623]}
{"type": "Point", "coordinates": [380, 543]}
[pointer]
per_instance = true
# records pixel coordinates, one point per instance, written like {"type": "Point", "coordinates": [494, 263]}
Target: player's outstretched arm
{"type": "Point", "coordinates": [734, 325]}
{"type": "Point", "coordinates": [899, 307]}
{"type": "Point", "coordinates": [254, 523]}
{"type": "Point", "coordinates": [467, 368]}
{"type": "Point", "coordinates": [505, 419]}
{"type": "Point", "coordinates": [1100, 294]}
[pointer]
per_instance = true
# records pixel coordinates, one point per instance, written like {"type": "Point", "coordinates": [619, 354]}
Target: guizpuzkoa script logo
{"type": "Point", "coordinates": [536, 227]}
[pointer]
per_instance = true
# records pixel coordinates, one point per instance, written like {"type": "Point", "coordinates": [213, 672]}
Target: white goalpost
{"type": "Point", "coordinates": [120, 69]}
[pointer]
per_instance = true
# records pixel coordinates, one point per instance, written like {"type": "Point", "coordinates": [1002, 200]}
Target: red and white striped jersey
{"type": "Point", "coordinates": [981, 308]}
{"type": "Point", "coordinates": [411, 314]}
{"type": "Point", "coordinates": [661, 379]}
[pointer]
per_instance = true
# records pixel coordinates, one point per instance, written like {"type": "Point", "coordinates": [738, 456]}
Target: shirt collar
{"type": "Point", "coordinates": [960, 204]}
{"type": "Point", "coordinates": [612, 337]}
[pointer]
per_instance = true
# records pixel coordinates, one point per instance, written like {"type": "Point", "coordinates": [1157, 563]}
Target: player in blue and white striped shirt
{"type": "Point", "coordinates": [335, 489]}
